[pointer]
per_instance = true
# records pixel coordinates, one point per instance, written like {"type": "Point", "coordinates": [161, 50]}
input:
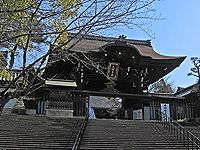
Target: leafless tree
{"type": "Point", "coordinates": [162, 86]}
{"type": "Point", "coordinates": [42, 22]}
{"type": "Point", "coordinates": [195, 71]}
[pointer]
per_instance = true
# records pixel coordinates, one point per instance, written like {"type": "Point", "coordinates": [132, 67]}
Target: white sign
{"type": "Point", "coordinates": [137, 114]}
{"type": "Point", "coordinates": [165, 111]}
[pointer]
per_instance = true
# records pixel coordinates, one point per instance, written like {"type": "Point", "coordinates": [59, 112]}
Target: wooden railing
{"type": "Point", "coordinates": [67, 105]}
{"type": "Point", "coordinates": [81, 131]}
{"type": "Point", "coordinates": [184, 136]}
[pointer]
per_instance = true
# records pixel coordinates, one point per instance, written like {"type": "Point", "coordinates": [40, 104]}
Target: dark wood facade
{"type": "Point", "coordinates": [135, 64]}
{"type": "Point", "coordinates": [113, 65]}
{"type": "Point", "coordinates": [60, 99]}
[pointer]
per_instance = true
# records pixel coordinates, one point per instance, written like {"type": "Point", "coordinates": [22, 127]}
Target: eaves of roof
{"type": "Point", "coordinates": [100, 43]}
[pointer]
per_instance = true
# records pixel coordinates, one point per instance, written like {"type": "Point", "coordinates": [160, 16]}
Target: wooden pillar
{"type": "Point", "coordinates": [150, 107]}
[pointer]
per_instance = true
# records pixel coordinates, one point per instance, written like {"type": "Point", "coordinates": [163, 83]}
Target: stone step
{"type": "Point", "coordinates": [133, 148]}
{"type": "Point", "coordinates": [116, 134]}
{"type": "Point", "coordinates": [34, 147]}
{"type": "Point", "coordinates": [31, 132]}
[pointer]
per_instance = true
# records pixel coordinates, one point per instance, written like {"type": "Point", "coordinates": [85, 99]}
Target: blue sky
{"type": "Point", "coordinates": [177, 35]}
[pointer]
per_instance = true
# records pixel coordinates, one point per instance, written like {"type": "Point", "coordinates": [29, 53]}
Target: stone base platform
{"type": "Point", "coordinates": [59, 113]}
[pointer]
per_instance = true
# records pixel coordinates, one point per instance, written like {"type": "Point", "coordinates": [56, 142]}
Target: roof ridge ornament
{"type": "Point", "coordinates": [121, 41]}
{"type": "Point", "coordinates": [149, 42]}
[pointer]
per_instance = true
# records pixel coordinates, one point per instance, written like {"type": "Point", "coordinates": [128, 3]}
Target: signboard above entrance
{"type": "Point", "coordinates": [113, 70]}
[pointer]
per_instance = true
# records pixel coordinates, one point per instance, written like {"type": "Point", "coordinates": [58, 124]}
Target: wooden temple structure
{"type": "Point", "coordinates": [110, 67]}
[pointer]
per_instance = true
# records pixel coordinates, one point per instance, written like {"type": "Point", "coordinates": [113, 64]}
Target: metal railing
{"type": "Point", "coordinates": [81, 131]}
{"type": "Point", "coordinates": [186, 137]}
{"type": "Point", "coordinates": [74, 131]}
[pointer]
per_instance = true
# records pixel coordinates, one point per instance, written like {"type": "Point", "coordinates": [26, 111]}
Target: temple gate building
{"type": "Point", "coordinates": [108, 67]}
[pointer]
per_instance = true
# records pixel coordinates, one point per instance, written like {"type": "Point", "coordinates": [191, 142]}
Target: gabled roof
{"type": "Point", "coordinates": [183, 92]}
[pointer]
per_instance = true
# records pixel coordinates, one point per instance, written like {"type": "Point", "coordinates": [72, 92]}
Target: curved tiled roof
{"type": "Point", "coordinates": [142, 50]}
{"type": "Point", "coordinates": [149, 51]}
{"type": "Point", "coordinates": [99, 43]}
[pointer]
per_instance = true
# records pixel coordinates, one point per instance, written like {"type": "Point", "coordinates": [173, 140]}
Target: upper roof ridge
{"type": "Point", "coordinates": [113, 39]}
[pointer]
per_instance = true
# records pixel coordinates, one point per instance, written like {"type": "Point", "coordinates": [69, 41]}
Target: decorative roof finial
{"type": "Point", "coordinates": [122, 37]}
{"type": "Point", "coordinates": [121, 40]}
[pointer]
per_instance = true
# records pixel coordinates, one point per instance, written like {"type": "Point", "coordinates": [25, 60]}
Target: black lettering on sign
{"type": "Point", "coordinates": [113, 70]}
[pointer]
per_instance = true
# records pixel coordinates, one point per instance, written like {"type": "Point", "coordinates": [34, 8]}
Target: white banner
{"type": "Point", "coordinates": [165, 111]}
{"type": "Point", "coordinates": [137, 114]}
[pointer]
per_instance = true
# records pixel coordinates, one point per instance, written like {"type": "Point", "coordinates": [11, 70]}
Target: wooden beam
{"type": "Point", "coordinates": [127, 95]}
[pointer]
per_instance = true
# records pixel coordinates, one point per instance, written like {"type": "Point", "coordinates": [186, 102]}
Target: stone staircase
{"type": "Point", "coordinates": [195, 129]}
{"type": "Point", "coordinates": [102, 134]}
{"type": "Point", "coordinates": [34, 132]}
